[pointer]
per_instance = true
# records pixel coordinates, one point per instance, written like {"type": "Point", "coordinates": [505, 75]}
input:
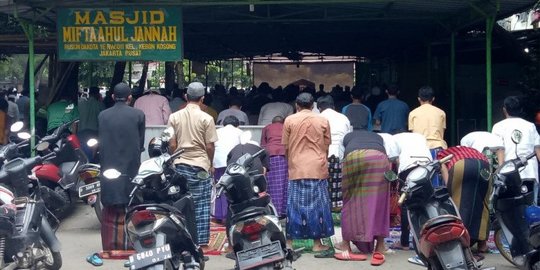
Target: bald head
{"type": "Point", "coordinates": [278, 119]}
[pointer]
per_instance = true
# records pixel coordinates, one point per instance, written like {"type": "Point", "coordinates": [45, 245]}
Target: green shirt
{"type": "Point", "coordinates": [61, 112]}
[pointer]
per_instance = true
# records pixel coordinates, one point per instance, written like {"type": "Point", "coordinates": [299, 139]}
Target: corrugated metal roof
{"type": "Point", "coordinates": [227, 28]}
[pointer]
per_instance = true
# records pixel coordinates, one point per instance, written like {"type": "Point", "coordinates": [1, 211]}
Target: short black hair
{"type": "Point", "coordinates": [304, 100]}
{"type": "Point", "coordinates": [392, 90]}
{"type": "Point", "coordinates": [278, 119]}
{"type": "Point", "coordinates": [356, 92]}
{"type": "Point", "coordinates": [325, 102]}
{"type": "Point", "coordinates": [425, 93]}
{"type": "Point", "coordinates": [193, 98]}
{"type": "Point", "coordinates": [513, 107]}
{"type": "Point", "coordinates": [235, 102]}
{"type": "Point", "coordinates": [231, 120]}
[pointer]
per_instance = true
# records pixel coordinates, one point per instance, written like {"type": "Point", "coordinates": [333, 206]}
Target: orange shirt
{"type": "Point", "coordinates": [306, 137]}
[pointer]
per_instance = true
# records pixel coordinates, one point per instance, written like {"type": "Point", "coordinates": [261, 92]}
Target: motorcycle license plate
{"type": "Point", "coordinates": [149, 257]}
{"type": "Point", "coordinates": [89, 189]}
{"type": "Point", "coordinates": [250, 258]}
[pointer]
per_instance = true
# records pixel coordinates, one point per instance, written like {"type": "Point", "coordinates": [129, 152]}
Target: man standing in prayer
{"type": "Point", "coordinates": [195, 132]}
{"type": "Point", "coordinates": [278, 175]}
{"type": "Point", "coordinates": [339, 127]}
{"type": "Point", "coordinates": [121, 138]}
{"type": "Point", "coordinates": [359, 114]}
{"type": "Point", "coordinates": [155, 107]}
{"type": "Point", "coordinates": [306, 137]}
{"type": "Point", "coordinates": [391, 114]}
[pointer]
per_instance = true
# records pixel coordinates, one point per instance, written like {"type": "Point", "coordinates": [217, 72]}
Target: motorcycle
{"type": "Point", "coordinates": [90, 187]}
{"type": "Point", "coordinates": [61, 175]}
{"type": "Point", "coordinates": [160, 221]}
{"type": "Point", "coordinates": [441, 239]}
{"type": "Point", "coordinates": [256, 235]}
{"type": "Point", "coordinates": [517, 222]}
{"type": "Point", "coordinates": [27, 240]}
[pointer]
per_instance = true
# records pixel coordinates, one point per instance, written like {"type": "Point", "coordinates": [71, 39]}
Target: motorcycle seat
{"type": "Point", "coordinates": [254, 202]}
{"type": "Point", "coordinates": [67, 167]}
{"type": "Point", "coordinates": [440, 220]}
{"type": "Point", "coordinates": [248, 213]}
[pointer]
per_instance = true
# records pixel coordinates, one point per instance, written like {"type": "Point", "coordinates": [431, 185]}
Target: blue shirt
{"type": "Point", "coordinates": [393, 114]}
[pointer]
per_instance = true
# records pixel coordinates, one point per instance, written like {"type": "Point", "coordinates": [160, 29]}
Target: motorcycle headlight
{"type": "Point", "coordinates": [417, 174]}
{"type": "Point", "coordinates": [524, 189]}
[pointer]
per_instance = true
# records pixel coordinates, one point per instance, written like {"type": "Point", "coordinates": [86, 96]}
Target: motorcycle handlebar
{"type": "Point", "coordinates": [402, 198]}
{"type": "Point", "coordinates": [446, 159]}
{"type": "Point", "coordinates": [260, 152]}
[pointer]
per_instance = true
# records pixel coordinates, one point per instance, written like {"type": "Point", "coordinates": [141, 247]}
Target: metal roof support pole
{"type": "Point", "coordinates": [453, 119]}
{"type": "Point", "coordinates": [220, 71]}
{"type": "Point", "coordinates": [29, 31]}
{"type": "Point", "coordinates": [490, 21]}
{"type": "Point", "coordinates": [130, 72]}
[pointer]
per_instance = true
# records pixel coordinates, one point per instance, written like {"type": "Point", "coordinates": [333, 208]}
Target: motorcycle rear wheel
{"type": "Point", "coordinates": [500, 243]}
{"type": "Point", "coordinates": [98, 207]}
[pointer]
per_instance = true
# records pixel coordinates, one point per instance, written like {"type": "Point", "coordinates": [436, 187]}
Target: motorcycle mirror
{"type": "Point", "coordinates": [24, 135]}
{"type": "Point", "coordinates": [516, 136]}
{"type": "Point", "coordinates": [92, 142]}
{"type": "Point", "coordinates": [112, 173]}
{"type": "Point", "coordinates": [390, 176]}
{"type": "Point", "coordinates": [42, 146]}
{"type": "Point", "coordinates": [485, 174]}
{"type": "Point", "coordinates": [17, 126]}
{"type": "Point", "coordinates": [167, 134]}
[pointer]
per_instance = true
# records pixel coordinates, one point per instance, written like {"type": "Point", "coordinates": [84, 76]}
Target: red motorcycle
{"type": "Point", "coordinates": [66, 172]}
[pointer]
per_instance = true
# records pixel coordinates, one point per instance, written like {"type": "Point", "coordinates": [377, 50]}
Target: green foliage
{"type": "Point", "coordinates": [233, 73]}
{"type": "Point", "coordinates": [13, 67]}
{"type": "Point", "coordinates": [96, 73]}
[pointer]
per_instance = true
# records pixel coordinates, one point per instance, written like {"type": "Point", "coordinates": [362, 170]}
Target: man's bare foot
{"type": "Point", "coordinates": [342, 246]}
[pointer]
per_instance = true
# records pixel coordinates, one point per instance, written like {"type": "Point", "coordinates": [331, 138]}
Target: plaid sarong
{"type": "Point", "coordinates": [308, 210]}
{"type": "Point", "coordinates": [201, 189]}
{"type": "Point", "coordinates": [113, 235]}
{"type": "Point", "coordinates": [277, 183]}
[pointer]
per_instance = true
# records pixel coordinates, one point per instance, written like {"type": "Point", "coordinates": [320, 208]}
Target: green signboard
{"type": "Point", "coordinates": [120, 33]}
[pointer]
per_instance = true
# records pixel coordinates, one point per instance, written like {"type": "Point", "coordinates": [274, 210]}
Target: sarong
{"type": "Point", "coordinates": [436, 181]}
{"type": "Point", "coordinates": [113, 235]}
{"type": "Point", "coordinates": [308, 210]}
{"type": "Point", "coordinates": [334, 183]}
{"type": "Point", "coordinates": [470, 194]}
{"type": "Point", "coordinates": [278, 177]}
{"type": "Point", "coordinates": [200, 187]}
{"type": "Point", "coordinates": [366, 196]}
{"type": "Point", "coordinates": [220, 207]}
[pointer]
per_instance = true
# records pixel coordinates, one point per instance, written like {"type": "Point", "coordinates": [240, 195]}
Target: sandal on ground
{"type": "Point", "coordinates": [377, 259]}
{"type": "Point", "coordinates": [94, 260]}
{"type": "Point", "coordinates": [327, 253]}
{"type": "Point", "coordinates": [349, 256]}
{"type": "Point", "coordinates": [416, 260]}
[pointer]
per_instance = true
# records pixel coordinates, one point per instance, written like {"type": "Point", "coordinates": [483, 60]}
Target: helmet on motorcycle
{"type": "Point", "coordinates": [154, 147]}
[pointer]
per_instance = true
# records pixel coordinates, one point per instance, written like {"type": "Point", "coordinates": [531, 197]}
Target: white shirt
{"type": "Point", "coordinates": [480, 140]}
{"type": "Point", "coordinates": [390, 145]}
{"type": "Point", "coordinates": [412, 147]}
{"type": "Point", "coordinates": [228, 138]}
{"type": "Point", "coordinates": [529, 140]}
{"type": "Point", "coordinates": [339, 127]}
{"type": "Point", "coordinates": [273, 109]}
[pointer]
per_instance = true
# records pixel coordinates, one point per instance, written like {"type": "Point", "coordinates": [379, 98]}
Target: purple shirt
{"type": "Point", "coordinates": [155, 107]}
{"type": "Point", "coordinates": [271, 139]}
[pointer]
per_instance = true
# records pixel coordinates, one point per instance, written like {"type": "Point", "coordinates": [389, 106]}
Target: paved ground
{"type": "Point", "coordinates": [79, 234]}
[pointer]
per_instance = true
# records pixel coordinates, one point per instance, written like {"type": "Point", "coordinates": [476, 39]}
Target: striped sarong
{"type": "Point", "coordinates": [220, 207]}
{"type": "Point", "coordinates": [334, 183]}
{"type": "Point", "coordinates": [308, 210]}
{"type": "Point", "coordinates": [201, 189]}
{"type": "Point", "coordinates": [469, 192]}
{"type": "Point", "coordinates": [278, 177]}
{"type": "Point", "coordinates": [366, 196]}
{"type": "Point", "coordinates": [113, 235]}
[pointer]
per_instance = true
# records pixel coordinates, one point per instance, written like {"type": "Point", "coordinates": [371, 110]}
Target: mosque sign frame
{"type": "Point", "coordinates": [134, 33]}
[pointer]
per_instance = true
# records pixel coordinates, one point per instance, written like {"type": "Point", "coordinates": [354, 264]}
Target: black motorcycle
{"type": "Point", "coordinates": [441, 239]}
{"type": "Point", "coordinates": [517, 221]}
{"type": "Point", "coordinates": [27, 240]}
{"type": "Point", "coordinates": [160, 221]}
{"type": "Point", "coordinates": [256, 235]}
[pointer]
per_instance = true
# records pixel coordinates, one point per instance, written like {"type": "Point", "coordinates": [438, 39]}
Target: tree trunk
{"type": "Point", "coordinates": [180, 74]}
{"type": "Point", "coordinates": [142, 80]}
{"type": "Point", "coordinates": [169, 77]}
{"type": "Point", "coordinates": [118, 75]}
